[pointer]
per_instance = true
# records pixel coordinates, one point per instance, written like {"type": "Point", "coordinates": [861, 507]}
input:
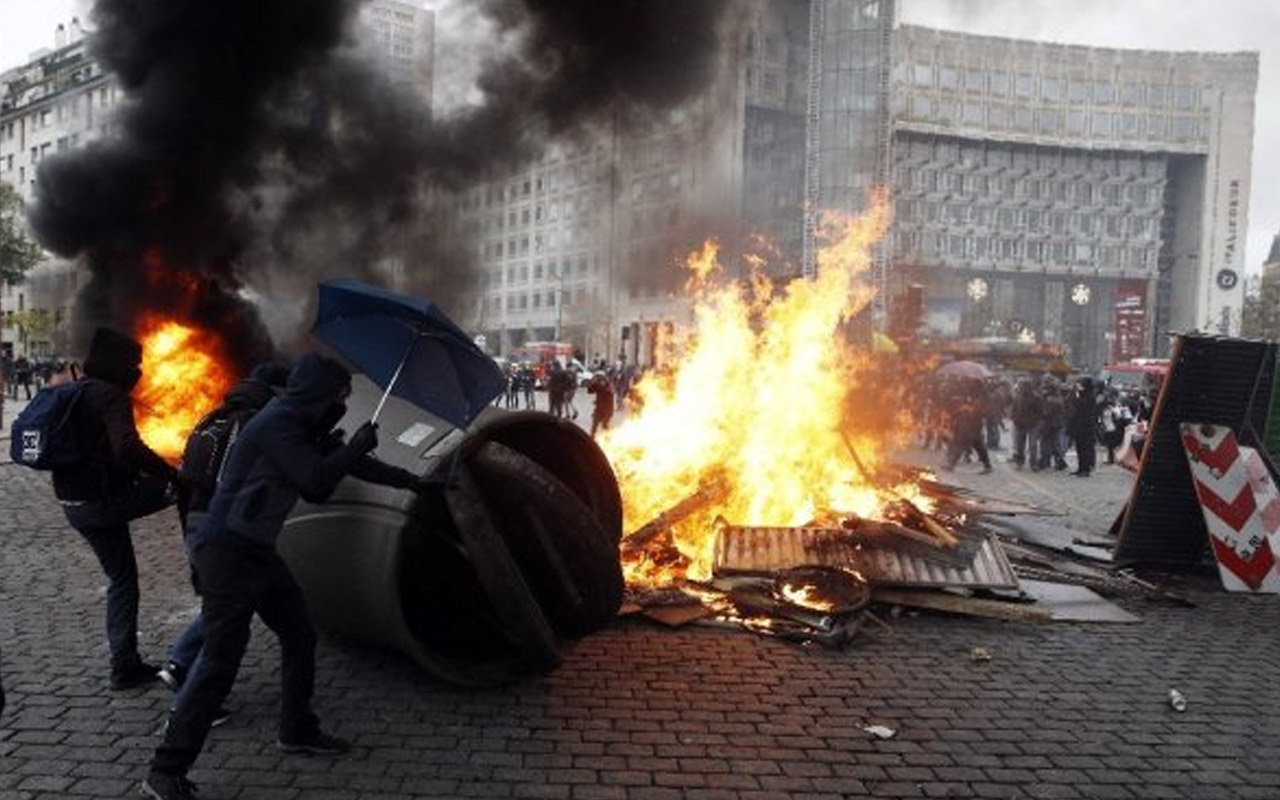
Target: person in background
{"type": "Point", "coordinates": [22, 375]}
{"type": "Point", "coordinates": [967, 428]}
{"type": "Point", "coordinates": [1052, 414]}
{"type": "Point", "coordinates": [288, 450]}
{"type": "Point", "coordinates": [119, 480]}
{"type": "Point", "coordinates": [1114, 422]}
{"type": "Point", "coordinates": [9, 376]}
{"type": "Point", "coordinates": [1025, 413]}
{"type": "Point", "coordinates": [557, 385]}
{"type": "Point", "coordinates": [1082, 426]}
{"type": "Point", "coordinates": [512, 399]}
{"type": "Point", "coordinates": [602, 412]}
{"type": "Point", "coordinates": [528, 383]}
{"type": "Point", "coordinates": [995, 410]}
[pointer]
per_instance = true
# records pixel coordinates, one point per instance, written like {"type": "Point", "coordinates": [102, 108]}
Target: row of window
{"type": "Point", "coordinates": [1052, 121]}
{"type": "Point", "coordinates": [1028, 220]}
{"type": "Point", "coordinates": [583, 205]}
{"type": "Point", "coordinates": [970, 153]}
{"type": "Point", "coordinates": [552, 270]}
{"type": "Point", "coordinates": [1020, 251]}
{"type": "Point", "coordinates": [72, 107]}
{"type": "Point", "coordinates": [1056, 89]}
{"type": "Point", "coordinates": [994, 187]}
{"type": "Point", "coordinates": [523, 302]}
{"type": "Point", "coordinates": [569, 176]}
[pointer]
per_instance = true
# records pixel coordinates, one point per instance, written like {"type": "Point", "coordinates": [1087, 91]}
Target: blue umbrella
{"type": "Point", "coordinates": [408, 347]}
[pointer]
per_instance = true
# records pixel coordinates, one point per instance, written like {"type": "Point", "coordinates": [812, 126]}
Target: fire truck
{"type": "Point", "coordinates": [538, 357]}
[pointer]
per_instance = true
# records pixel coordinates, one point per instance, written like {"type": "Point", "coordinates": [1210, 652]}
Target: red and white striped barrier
{"type": "Point", "coordinates": [1241, 507]}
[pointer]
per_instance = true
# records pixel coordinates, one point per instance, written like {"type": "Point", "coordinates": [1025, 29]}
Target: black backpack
{"type": "Point", "coordinates": [205, 455]}
{"type": "Point", "coordinates": [46, 435]}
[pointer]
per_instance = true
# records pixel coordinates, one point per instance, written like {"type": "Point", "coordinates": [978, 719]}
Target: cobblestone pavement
{"type": "Point", "coordinates": [1062, 710]}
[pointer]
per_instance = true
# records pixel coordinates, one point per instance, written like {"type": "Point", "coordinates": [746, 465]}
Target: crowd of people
{"type": "Point", "coordinates": [1037, 419]}
{"type": "Point", "coordinates": [23, 377]}
{"type": "Point", "coordinates": [609, 386]}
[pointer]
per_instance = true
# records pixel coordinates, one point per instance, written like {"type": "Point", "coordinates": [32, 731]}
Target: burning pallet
{"type": "Point", "coordinates": [813, 582]}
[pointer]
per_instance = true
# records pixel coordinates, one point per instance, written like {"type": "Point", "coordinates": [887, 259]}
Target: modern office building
{"type": "Point", "coordinates": [1091, 197]}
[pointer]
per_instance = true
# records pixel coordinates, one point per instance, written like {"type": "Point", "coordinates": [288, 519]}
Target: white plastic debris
{"type": "Point", "coordinates": [880, 731]}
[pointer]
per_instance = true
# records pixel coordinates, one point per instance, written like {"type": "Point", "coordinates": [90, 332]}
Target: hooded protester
{"type": "Point", "coordinates": [287, 451]}
{"type": "Point", "coordinates": [202, 461]}
{"type": "Point", "coordinates": [1082, 427]}
{"type": "Point", "coordinates": [117, 480]}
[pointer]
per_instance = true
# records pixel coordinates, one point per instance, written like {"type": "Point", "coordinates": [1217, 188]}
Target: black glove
{"type": "Point", "coordinates": [365, 439]}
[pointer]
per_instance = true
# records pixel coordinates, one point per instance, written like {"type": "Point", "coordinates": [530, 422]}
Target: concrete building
{"type": "Point", "coordinates": [583, 246]}
{"type": "Point", "coordinates": [1090, 197]}
{"type": "Point", "coordinates": [58, 101]}
{"type": "Point", "coordinates": [399, 36]}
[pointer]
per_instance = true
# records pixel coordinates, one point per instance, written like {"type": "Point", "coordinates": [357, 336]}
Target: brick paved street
{"type": "Point", "coordinates": [1061, 710]}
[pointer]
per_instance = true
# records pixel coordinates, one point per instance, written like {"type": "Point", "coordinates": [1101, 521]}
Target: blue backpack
{"type": "Point", "coordinates": [45, 435]}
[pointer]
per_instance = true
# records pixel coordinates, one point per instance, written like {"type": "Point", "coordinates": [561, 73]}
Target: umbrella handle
{"type": "Point", "coordinates": [391, 384]}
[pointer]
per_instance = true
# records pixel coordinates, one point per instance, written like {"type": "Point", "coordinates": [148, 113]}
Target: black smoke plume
{"type": "Point", "coordinates": [253, 150]}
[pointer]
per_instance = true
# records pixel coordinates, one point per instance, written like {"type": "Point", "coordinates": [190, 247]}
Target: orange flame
{"type": "Point", "coordinates": [185, 373]}
{"type": "Point", "coordinates": [757, 398]}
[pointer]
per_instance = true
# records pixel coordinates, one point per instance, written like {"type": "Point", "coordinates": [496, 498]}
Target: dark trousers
{"type": "Point", "coordinates": [964, 440]}
{"type": "Point", "coordinates": [1026, 444]}
{"type": "Point", "coordinates": [1086, 452]}
{"type": "Point", "coordinates": [240, 578]}
{"type": "Point", "coordinates": [1051, 448]}
{"type": "Point", "coordinates": [105, 526]}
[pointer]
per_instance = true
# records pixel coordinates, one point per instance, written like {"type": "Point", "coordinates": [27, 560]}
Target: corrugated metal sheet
{"type": "Point", "coordinates": [766, 549]}
{"type": "Point", "coordinates": [1212, 379]}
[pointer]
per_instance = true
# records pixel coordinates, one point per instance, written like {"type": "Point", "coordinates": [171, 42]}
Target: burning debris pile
{"type": "Point", "coordinates": [754, 479]}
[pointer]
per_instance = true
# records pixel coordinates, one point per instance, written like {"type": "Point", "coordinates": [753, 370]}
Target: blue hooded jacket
{"type": "Point", "coordinates": [285, 452]}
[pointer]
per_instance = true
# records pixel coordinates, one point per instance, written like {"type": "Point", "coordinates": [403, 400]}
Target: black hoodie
{"type": "Point", "coordinates": [114, 453]}
{"type": "Point", "coordinates": [283, 453]}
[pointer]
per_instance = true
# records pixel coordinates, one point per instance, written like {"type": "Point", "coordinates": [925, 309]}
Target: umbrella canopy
{"type": "Point", "coordinates": [409, 347]}
{"type": "Point", "coordinates": [964, 369]}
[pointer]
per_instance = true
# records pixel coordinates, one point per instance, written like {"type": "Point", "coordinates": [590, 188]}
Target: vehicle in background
{"type": "Point", "coordinates": [1139, 374]}
{"type": "Point", "coordinates": [539, 355]}
{"type": "Point", "coordinates": [580, 370]}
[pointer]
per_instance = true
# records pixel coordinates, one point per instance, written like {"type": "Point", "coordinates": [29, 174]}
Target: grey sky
{"type": "Point", "coordinates": [1223, 25]}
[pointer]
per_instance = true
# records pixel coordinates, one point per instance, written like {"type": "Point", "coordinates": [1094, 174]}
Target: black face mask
{"type": "Point", "coordinates": [332, 415]}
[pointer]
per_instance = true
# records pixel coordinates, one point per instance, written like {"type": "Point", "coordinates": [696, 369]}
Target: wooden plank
{"type": "Point", "coordinates": [958, 604]}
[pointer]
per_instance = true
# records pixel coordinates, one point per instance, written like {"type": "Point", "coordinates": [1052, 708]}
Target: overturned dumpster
{"type": "Point", "coordinates": [487, 577]}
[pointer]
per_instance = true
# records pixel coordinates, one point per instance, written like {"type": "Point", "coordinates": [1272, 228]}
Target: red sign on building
{"type": "Point", "coordinates": [1130, 326]}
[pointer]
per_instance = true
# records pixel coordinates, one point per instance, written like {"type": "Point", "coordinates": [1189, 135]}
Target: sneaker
{"type": "Point", "coordinates": [173, 675]}
{"type": "Point", "coordinates": [168, 787]}
{"type": "Point", "coordinates": [318, 744]}
{"type": "Point", "coordinates": [220, 717]}
{"type": "Point", "coordinates": [140, 673]}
